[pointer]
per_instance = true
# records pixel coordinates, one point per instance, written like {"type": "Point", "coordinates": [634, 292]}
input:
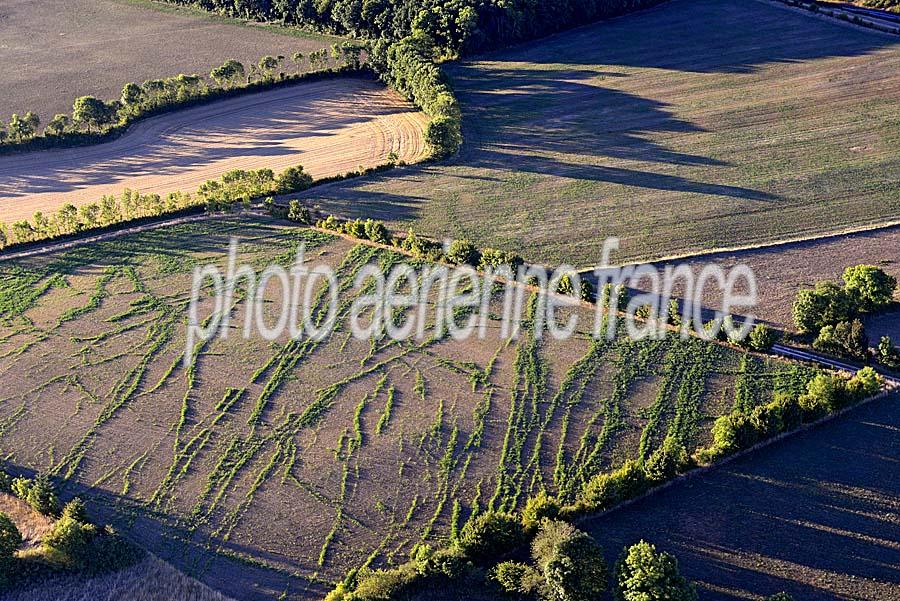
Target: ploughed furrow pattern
{"type": "Point", "coordinates": [330, 127]}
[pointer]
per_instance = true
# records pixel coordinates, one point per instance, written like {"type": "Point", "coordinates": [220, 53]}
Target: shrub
{"type": "Point", "coordinates": [449, 562]}
{"type": "Point", "coordinates": [604, 491]}
{"type": "Point", "coordinates": [5, 482]}
{"type": "Point", "coordinates": [75, 510]}
{"type": "Point", "coordinates": [864, 384]}
{"type": "Point", "coordinates": [463, 252]}
{"type": "Point", "coordinates": [734, 431]}
{"type": "Point", "coordinates": [38, 493]}
{"type": "Point", "coordinates": [644, 574]}
{"type": "Point", "coordinates": [293, 179]}
{"type": "Point", "coordinates": [667, 461]}
{"type": "Point", "coordinates": [298, 213]}
{"type": "Point", "coordinates": [539, 508]}
{"type": "Point", "coordinates": [826, 304]}
{"type": "Point", "coordinates": [10, 537]}
{"type": "Point", "coordinates": [490, 536]}
{"type": "Point", "coordinates": [517, 578]}
{"type": "Point", "coordinates": [888, 354]}
{"type": "Point", "coordinates": [762, 338]}
{"type": "Point", "coordinates": [869, 287]}
{"type": "Point", "coordinates": [494, 259]}
{"type": "Point", "coordinates": [376, 231]}
{"type": "Point", "coordinates": [845, 338]}
{"type": "Point", "coordinates": [571, 561]}
{"type": "Point", "coordinates": [780, 597]}
{"type": "Point", "coordinates": [72, 539]}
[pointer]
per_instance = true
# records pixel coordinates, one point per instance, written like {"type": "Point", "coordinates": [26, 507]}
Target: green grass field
{"type": "Point", "coordinates": [677, 129]}
{"type": "Point", "coordinates": [270, 467]}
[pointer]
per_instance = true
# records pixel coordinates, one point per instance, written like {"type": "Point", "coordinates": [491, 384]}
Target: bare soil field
{"type": "Point", "coordinates": [330, 127]}
{"type": "Point", "coordinates": [816, 515]}
{"type": "Point", "coordinates": [677, 129]}
{"type": "Point", "coordinates": [56, 50]}
{"type": "Point", "coordinates": [149, 580]}
{"type": "Point", "coordinates": [268, 468]}
{"type": "Point", "coordinates": [782, 270]}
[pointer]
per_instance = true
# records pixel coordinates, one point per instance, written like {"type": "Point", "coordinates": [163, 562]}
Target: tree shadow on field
{"type": "Point", "coordinates": [178, 142]}
{"type": "Point", "coordinates": [815, 515]}
{"type": "Point", "coordinates": [550, 107]}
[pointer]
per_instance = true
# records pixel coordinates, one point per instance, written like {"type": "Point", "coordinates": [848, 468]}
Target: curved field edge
{"type": "Point", "coordinates": [377, 444]}
{"type": "Point", "coordinates": [568, 139]}
{"type": "Point", "coordinates": [330, 127]}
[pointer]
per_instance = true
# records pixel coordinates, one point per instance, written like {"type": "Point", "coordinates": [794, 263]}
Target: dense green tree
{"type": "Point", "coordinates": [58, 125]}
{"type": "Point", "coordinates": [228, 74]}
{"type": "Point", "coordinates": [490, 536]}
{"type": "Point", "coordinates": [645, 574]}
{"type": "Point", "coordinates": [826, 304]}
{"type": "Point", "coordinates": [91, 112]}
{"type": "Point", "coordinates": [869, 287]}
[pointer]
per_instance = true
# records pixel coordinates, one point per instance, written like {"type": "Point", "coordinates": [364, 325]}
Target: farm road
{"type": "Point", "coordinates": [329, 127]}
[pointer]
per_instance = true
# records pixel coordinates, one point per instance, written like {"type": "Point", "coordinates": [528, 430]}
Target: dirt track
{"type": "Point", "coordinates": [329, 127]}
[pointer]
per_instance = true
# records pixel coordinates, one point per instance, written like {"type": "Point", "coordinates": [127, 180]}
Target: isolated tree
{"type": "Point", "coordinates": [58, 125]}
{"type": "Point", "coordinates": [869, 287]}
{"type": "Point", "coordinates": [645, 574]}
{"type": "Point", "coordinates": [10, 537]}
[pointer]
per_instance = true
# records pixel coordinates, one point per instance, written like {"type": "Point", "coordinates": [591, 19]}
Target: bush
{"type": "Point", "coordinates": [644, 574]}
{"type": "Point", "coordinates": [869, 287]}
{"type": "Point", "coordinates": [463, 252]}
{"type": "Point", "coordinates": [450, 562]}
{"type": "Point", "coordinates": [75, 510]}
{"type": "Point", "coordinates": [539, 508]}
{"type": "Point", "coordinates": [376, 231]}
{"type": "Point", "coordinates": [845, 338]}
{"type": "Point", "coordinates": [490, 536]}
{"type": "Point", "coordinates": [293, 179]}
{"type": "Point", "coordinates": [571, 561]}
{"type": "Point", "coordinates": [667, 461]}
{"type": "Point", "coordinates": [5, 482]}
{"type": "Point", "coordinates": [38, 493]}
{"type": "Point", "coordinates": [10, 537]}
{"type": "Point", "coordinates": [888, 354]}
{"type": "Point", "coordinates": [734, 431]}
{"type": "Point", "coordinates": [517, 578]}
{"type": "Point", "coordinates": [762, 338]}
{"type": "Point", "coordinates": [298, 213]}
{"type": "Point", "coordinates": [494, 259]}
{"type": "Point", "coordinates": [826, 304]}
{"type": "Point", "coordinates": [72, 539]}
{"type": "Point", "coordinates": [780, 597]}
{"type": "Point", "coordinates": [604, 491]}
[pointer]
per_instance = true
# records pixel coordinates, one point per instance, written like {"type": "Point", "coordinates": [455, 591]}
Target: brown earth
{"type": "Point", "coordinates": [815, 515]}
{"type": "Point", "coordinates": [56, 50]}
{"type": "Point", "coordinates": [330, 127]}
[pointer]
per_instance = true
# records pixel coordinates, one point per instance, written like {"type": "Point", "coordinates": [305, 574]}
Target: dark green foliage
{"type": "Point", "coordinates": [666, 462]}
{"type": "Point", "coordinates": [645, 574]}
{"type": "Point", "coordinates": [888, 354]}
{"type": "Point", "coordinates": [75, 510]}
{"type": "Point", "coordinates": [293, 179]}
{"type": "Point", "coordinates": [491, 258]}
{"type": "Point", "coordinates": [5, 482]}
{"type": "Point", "coordinates": [10, 537]}
{"type": "Point", "coordinates": [870, 287]}
{"type": "Point", "coordinates": [463, 252]}
{"type": "Point", "coordinates": [844, 338]}
{"type": "Point", "coordinates": [762, 338]}
{"type": "Point", "coordinates": [571, 561]}
{"type": "Point", "coordinates": [539, 508]}
{"type": "Point", "coordinates": [779, 597]}
{"type": "Point", "coordinates": [298, 213]}
{"type": "Point", "coordinates": [517, 578]}
{"type": "Point", "coordinates": [826, 304]}
{"type": "Point", "coordinates": [490, 536]}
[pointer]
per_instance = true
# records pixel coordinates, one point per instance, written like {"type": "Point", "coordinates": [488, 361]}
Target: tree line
{"type": "Point", "coordinates": [93, 119]}
{"type": "Point", "coordinates": [455, 26]}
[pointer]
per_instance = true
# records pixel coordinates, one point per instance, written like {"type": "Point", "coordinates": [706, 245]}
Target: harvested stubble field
{"type": "Point", "coordinates": [56, 50]}
{"type": "Point", "coordinates": [817, 515]}
{"type": "Point", "coordinates": [330, 127]}
{"type": "Point", "coordinates": [676, 129]}
{"type": "Point", "coordinates": [268, 468]}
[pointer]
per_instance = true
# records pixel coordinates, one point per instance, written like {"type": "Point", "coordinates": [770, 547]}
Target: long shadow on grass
{"type": "Point", "coordinates": [815, 515]}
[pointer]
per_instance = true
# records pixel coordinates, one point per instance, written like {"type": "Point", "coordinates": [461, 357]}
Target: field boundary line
{"type": "Point", "coordinates": [890, 389]}
{"type": "Point", "coordinates": [862, 229]}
